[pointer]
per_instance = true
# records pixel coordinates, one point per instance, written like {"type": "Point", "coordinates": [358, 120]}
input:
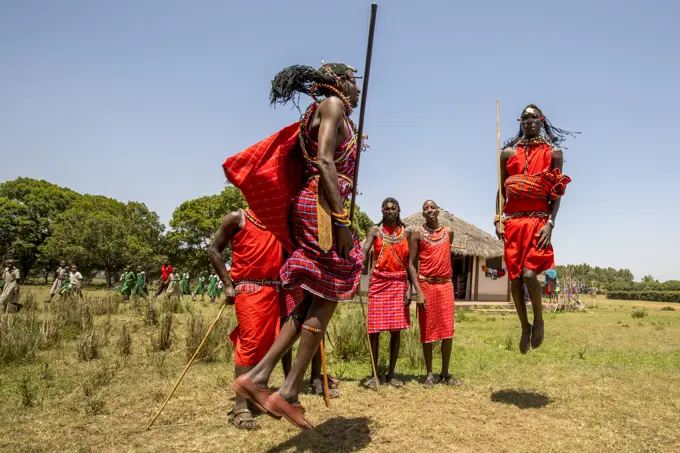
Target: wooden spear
{"type": "Point", "coordinates": [500, 184]}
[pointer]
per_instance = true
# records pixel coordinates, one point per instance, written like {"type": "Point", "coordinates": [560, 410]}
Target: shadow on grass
{"type": "Point", "coordinates": [336, 435]}
{"type": "Point", "coordinates": [521, 398]}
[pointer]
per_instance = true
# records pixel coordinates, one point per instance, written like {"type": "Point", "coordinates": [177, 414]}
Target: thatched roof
{"type": "Point", "coordinates": [474, 241]}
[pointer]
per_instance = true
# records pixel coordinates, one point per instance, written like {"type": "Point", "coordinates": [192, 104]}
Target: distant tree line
{"type": "Point", "coordinates": [42, 223]}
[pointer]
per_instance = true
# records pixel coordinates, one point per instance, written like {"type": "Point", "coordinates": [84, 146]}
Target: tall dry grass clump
{"type": "Point", "coordinates": [348, 334]}
{"type": "Point", "coordinates": [217, 343]}
{"type": "Point", "coordinates": [22, 335]}
{"type": "Point", "coordinates": [106, 305]}
{"type": "Point", "coordinates": [151, 315]}
{"type": "Point", "coordinates": [124, 343]}
{"type": "Point", "coordinates": [162, 341]}
{"type": "Point", "coordinates": [172, 305]}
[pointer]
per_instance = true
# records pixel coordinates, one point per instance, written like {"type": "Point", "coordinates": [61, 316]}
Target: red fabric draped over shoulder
{"type": "Point", "coordinates": [270, 175]}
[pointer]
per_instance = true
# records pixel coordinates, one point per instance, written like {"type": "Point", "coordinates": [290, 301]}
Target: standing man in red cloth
{"type": "Point", "coordinates": [325, 257]}
{"type": "Point", "coordinates": [253, 286]}
{"type": "Point", "coordinates": [163, 284]}
{"type": "Point", "coordinates": [431, 272]}
{"type": "Point", "coordinates": [532, 185]}
{"type": "Point", "coordinates": [388, 291]}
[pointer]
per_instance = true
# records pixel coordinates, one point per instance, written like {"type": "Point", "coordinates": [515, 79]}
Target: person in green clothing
{"type": "Point", "coordinates": [199, 288]}
{"type": "Point", "coordinates": [186, 288]}
{"type": "Point", "coordinates": [213, 292]}
{"type": "Point", "coordinates": [140, 289]}
{"type": "Point", "coordinates": [65, 288]}
{"type": "Point", "coordinates": [129, 278]}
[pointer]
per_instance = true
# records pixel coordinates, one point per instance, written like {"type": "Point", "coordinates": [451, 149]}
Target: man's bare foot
{"type": "Point", "coordinates": [316, 387]}
{"type": "Point", "coordinates": [525, 340]}
{"type": "Point", "coordinates": [429, 381]}
{"type": "Point", "coordinates": [537, 334]}
{"type": "Point", "coordinates": [396, 383]}
{"type": "Point", "coordinates": [447, 380]}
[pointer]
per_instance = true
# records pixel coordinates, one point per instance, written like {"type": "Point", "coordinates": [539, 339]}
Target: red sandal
{"type": "Point", "coordinates": [294, 413]}
{"type": "Point", "coordinates": [245, 387]}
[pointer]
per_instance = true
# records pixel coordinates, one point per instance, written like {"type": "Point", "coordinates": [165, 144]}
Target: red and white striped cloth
{"type": "Point", "coordinates": [437, 319]}
{"type": "Point", "coordinates": [289, 300]}
{"type": "Point", "coordinates": [386, 310]}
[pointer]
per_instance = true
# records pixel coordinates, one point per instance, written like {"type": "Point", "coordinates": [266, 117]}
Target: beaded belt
{"type": "Point", "coordinates": [254, 285]}
{"type": "Point", "coordinates": [255, 281]}
{"type": "Point", "coordinates": [433, 280]}
{"type": "Point", "coordinates": [540, 215]}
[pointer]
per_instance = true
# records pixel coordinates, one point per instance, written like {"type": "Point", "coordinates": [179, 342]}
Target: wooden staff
{"type": "Point", "coordinates": [362, 112]}
{"type": "Point", "coordinates": [500, 184]}
{"type": "Point", "coordinates": [360, 137]}
{"type": "Point", "coordinates": [326, 391]}
{"type": "Point", "coordinates": [188, 366]}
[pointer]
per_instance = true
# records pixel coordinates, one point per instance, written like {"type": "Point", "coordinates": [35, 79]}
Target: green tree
{"type": "Point", "coordinates": [649, 279]}
{"type": "Point", "coordinates": [193, 225]}
{"type": "Point", "coordinates": [100, 233]}
{"type": "Point", "coordinates": [362, 222]}
{"type": "Point", "coordinates": [32, 224]}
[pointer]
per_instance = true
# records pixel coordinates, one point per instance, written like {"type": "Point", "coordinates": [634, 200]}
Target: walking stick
{"type": "Point", "coordinates": [360, 137]}
{"type": "Point", "coordinates": [326, 391]}
{"type": "Point", "coordinates": [212, 326]}
{"type": "Point", "coordinates": [500, 188]}
{"type": "Point", "coordinates": [370, 348]}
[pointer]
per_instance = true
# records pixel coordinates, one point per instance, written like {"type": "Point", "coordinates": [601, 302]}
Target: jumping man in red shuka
{"type": "Point", "coordinates": [532, 184]}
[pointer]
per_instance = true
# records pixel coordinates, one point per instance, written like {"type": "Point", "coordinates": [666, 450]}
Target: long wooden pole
{"type": "Point", "coordinates": [500, 185]}
{"type": "Point", "coordinates": [362, 112]}
{"type": "Point", "coordinates": [370, 349]}
{"type": "Point", "coordinates": [207, 334]}
{"type": "Point", "coordinates": [326, 390]}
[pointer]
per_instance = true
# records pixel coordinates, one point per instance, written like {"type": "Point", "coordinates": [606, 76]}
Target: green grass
{"type": "Point", "coordinates": [602, 381]}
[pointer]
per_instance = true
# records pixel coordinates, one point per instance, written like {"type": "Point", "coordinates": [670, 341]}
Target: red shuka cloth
{"type": "Point", "coordinates": [437, 319]}
{"type": "Point", "coordinates": [257, 255]}
{"type": "Point", "coordinates": [270, 174]}
{"type": "Point", "coordinates": [388, 285]}
{"type": "Point", "coordinates": [520, 232]}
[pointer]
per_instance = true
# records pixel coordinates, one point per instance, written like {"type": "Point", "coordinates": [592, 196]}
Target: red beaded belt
{"type": "Point", "coordinates": [254, 285]}
{"type": "Point", "coordinates": [540, 215]}
{"type": "Point", "coordinates": [433, 279]}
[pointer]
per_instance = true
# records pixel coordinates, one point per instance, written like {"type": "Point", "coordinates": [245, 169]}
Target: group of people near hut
{"type": "Point", "coordinates": [295, 256]}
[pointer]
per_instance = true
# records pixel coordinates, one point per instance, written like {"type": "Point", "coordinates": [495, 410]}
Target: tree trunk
{"type": "Point", "coordinates": [107, 274]}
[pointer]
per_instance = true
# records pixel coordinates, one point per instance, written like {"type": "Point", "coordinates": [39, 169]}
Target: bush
{"type": "Point", "coordinates": [640, 313]}
{"type": "Point", "coordinates": [348, 334]}
{"type": "Point", "coordinates": [668, 309]}
{"type": "Point", "coordinates": [653, 296]}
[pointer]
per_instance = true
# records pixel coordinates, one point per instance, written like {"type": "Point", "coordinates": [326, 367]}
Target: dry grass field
{"type": "Point", "coordinates": [88, 377]}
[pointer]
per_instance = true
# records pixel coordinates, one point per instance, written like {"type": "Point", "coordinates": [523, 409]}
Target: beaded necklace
{"type": "Point", "coordinates": [254, 220]}
{"type": "Point", "coordinates": [433, 237]}
{"type": "Point", "coordinates": [304, 128]}
{"type": "Point", "coordinates": [527, 142]}
{"type": "Point", "coordinates": [394, 238]}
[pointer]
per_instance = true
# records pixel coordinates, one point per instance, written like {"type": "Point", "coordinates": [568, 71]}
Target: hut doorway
{"type": "Point", "coordinates": [462, 276]}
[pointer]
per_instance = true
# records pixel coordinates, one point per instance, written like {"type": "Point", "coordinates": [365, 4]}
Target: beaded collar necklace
{"type": "Point", "coordinates": [433, 237]}
{"type": "Point", "coordinates": [254, 220]}
{"type": "Point", "coordinates": [527, 142]}
{"type": "Point", "coordinates": [393, 238]}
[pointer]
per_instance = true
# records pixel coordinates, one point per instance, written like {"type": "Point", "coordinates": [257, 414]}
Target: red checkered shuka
{"type": "Point", "coordinates": [289, 300]}
{"type": "Point", "coordinates": [269, 174]}
{"type": "Point", "coordinates": [386, 310]}
{"type": "Point", "coordinates": [437, 319]}
{"type": "Point", "coordinates": [324, 274]}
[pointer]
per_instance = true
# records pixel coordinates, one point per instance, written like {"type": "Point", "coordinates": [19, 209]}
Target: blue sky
{"type": "Point", "coordinates": [143, 100]}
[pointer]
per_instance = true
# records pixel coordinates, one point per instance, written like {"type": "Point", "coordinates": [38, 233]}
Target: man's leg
{"type": "Point", "coordinates": [517, 290]}
{"type": "Point", "coordinates": [240, 415]}
{"type": "Point", "coordinates": [375, 349]}
{"type": "Point", "coordinates": [427, 354]}
{"type": "Point", "coordinates": [161, 287]}
{"type": "Point", "coordinates": [447, 347]}
{"type": "Point", "coordinates": [395, 344]}
{"type": "Point", "coordinates": [531, 280]}
{"type": "Point", "coordinates": [287, 359]}
{"type": "Point", "coordinates": [289, 333]}
{"type": "Point", "coordinates": [318, 317]}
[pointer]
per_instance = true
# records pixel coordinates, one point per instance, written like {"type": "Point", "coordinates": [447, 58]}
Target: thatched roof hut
{"type": "Point", "coordinates": [468, 240]}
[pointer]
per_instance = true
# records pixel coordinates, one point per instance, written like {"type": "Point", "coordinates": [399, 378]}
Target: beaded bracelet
{"type": "Point", "coordinates": [342, 216]}
{"type": "Point", "coordinates": [341, 225]}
